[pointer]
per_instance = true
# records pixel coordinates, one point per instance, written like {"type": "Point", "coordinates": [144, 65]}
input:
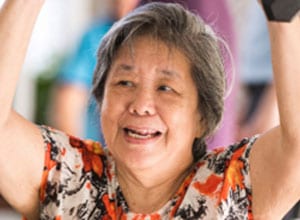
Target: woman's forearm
{"type": "Point", "coordinates": [17, 19]}
{"type": "Point", "coordinates": [285, 43]}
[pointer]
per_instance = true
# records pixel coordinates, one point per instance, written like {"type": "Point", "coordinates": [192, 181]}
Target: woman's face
{"type": "Point", "coordinates": [149, 111]}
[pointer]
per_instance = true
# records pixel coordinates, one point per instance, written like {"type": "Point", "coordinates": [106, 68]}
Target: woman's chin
{"type": "Point", "coordinates": [141, 159]}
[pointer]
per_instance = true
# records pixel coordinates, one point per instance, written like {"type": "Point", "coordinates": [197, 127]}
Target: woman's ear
{"type": "Point", "coordinates": [200, 127]}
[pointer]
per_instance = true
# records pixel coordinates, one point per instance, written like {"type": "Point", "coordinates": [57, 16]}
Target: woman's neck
{"type": "Point", "coordinates": [148, 193]}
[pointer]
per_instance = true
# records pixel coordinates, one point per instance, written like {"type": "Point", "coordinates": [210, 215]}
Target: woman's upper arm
{"type": "Point", "coordinates": [275, 176]}
{"type": "Point", "coordinates": [21, 164]}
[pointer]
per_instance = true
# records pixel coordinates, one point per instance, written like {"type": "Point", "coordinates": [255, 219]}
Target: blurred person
{"type": "Point", "coordinates": [74, 110]}
{"type": "Point", "coordinates": [258, 111]}
{"type": "Point", "coordinates": [160, 85]}
{"type": "Point", "coordinates": [218, 15]}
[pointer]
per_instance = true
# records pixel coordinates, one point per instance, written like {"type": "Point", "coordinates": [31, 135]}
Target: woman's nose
{"type": "Point", "coordinates": [142, 104]}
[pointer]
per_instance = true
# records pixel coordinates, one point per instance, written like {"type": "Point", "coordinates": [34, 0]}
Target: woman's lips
{"type": "Point", "coordinates": [140, 135]}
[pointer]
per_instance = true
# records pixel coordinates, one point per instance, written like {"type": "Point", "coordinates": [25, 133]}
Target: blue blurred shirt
{"type": "Point", "coordinates": [78, 69]}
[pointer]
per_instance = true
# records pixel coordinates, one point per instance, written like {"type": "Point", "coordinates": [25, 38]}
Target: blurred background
{"type": "Point", "coordinates": [62, 29]}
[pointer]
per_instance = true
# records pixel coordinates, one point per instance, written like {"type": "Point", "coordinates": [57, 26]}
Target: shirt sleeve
{"type": "Point", "coordinates": [72, 169]}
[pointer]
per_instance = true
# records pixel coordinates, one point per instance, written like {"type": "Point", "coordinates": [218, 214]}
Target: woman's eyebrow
{"type": "Point", "coordinates": [127, 68]}
{"type": "Point", "coordinates": [124, 67]}
{"type": "Point", "coordinates": [170, 73]}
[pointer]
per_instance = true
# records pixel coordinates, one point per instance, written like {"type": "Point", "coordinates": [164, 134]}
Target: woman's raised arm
{"type": "Point", "coordinates": [21, 145]}
{"type": "Point", "coordinates": [275, 158]}
{"type": "Point", "coordinates": [285, 41]}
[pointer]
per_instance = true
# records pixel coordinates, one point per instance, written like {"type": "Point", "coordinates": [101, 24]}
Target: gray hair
{"type": "Point", "coordinates": [185, 31]}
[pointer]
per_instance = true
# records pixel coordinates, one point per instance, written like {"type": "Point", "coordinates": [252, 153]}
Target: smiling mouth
{"type": "Point", "coordinates": [141, 134]}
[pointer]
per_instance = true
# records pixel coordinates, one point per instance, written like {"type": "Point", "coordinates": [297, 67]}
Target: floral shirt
{"type": "Point", "coordinates": [79, 182]}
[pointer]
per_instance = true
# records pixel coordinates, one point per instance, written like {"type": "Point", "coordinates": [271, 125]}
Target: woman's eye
{"type": "Point", "coordinates": [125, 83]}
{"type": "Point", "coordinates": [165, 88]}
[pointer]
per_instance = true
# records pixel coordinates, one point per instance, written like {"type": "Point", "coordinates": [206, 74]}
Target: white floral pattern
{"type": "Point", "coordinates": [79, 182]}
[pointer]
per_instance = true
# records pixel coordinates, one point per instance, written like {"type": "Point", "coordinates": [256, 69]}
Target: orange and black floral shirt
{"type": "Point", "coordinates": [79, 182]}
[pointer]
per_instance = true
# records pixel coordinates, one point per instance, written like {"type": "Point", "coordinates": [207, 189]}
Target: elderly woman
{"type": "Point", "coordinates": [159, 83]}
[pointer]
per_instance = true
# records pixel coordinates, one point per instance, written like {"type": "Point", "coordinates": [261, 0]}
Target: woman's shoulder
{"type": "Point", "coordinates": [222, 155]}
{"type": "Point", "coordinates": [75, 170]}
{"type": "Point", "coordinates": [223, 161]}
{"type": "Point", "coordinates": [63, 151]}
{"type": "Point", "coordinates": [223, 177]}
{"type": "Point", "coordinates": [61, 140]}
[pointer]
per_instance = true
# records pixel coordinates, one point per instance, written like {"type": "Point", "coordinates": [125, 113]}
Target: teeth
{"type": "Point", "coordinates": [139, 136]}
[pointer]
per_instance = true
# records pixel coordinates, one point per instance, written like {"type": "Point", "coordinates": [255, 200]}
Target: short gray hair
{"type": "Point", "coordinates": [181, 29]}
